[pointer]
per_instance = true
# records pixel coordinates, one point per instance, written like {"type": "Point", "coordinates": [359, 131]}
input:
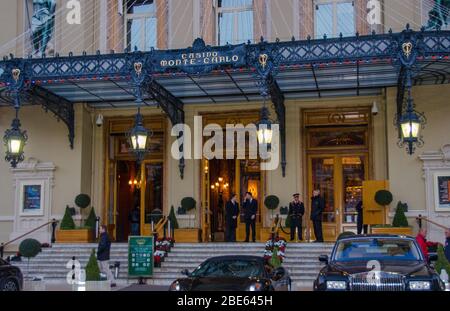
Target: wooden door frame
{"type": "Point", "coordinates": [145, 229]}
{"type": "Point", "coordinates": [306, 152]}
{"type": "Point", "coordinates": [338, 181]}
{"type": "Point", "coordinates": [116, 123]}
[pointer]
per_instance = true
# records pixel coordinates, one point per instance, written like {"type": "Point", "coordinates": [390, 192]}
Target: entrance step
{"type": "Point", "coordinates": [301, 260]}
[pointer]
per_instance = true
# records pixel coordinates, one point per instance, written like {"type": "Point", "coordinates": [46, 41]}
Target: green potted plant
{"type": "Point", "coordinates": [442, 262]}
{"type": "Point", "coordinates": [70, 233]}
{"type": "Point", "coordinates": [399, 226]}
{"type": "Point", "coordinates": [173, 218]}
{"type": "Point", "coordinates": [271, 202]}
{"type": "Point", "coordinates": [29, 248]}
{"type": "Point", "coordinates": [187, 235]}
{"type": "Point", "coordinates": [188, 203]}
{"type": "Point", "coordinates": [94, 281]}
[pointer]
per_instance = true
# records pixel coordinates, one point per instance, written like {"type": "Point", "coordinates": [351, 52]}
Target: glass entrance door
{"type": "Point", "coordinates": [222, 178]}
{"type": "Point", "coordinates": [339, 179]}
{"type": "Point", "coordinates": [152, 183]}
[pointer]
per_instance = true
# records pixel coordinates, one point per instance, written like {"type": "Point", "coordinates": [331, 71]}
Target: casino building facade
{"type": "Point", "coordinates": [339, 100]}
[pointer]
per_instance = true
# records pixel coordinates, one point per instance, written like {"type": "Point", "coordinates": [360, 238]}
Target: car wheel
{"type": "Point", "coordinates": [9, 285]}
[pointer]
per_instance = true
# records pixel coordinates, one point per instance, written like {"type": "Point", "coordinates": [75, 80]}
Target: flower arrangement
{"type": "Point", "coordinates": [162, 247]}
{"type": "Point", "coordinates": [276, 247]}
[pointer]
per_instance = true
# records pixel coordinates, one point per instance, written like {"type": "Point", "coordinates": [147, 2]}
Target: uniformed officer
{"type": "Point", "coordinates": [296, 212]}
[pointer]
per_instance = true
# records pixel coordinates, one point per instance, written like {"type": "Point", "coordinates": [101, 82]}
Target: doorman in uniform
{"type": "Point", "coordinates": [250, 209]}
{"type": "Point", "coordinates": [317, 208]}
{"type": "Point", "coordinates": [296, 212]}
{"type": "Point", "coordinates": [231, 218]}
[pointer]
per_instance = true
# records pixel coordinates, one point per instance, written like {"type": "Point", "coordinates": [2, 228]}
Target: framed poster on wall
{"type": "Point", "coordinates": [32, 198]}
{"type": "Point", "coordinates": [442, 191]}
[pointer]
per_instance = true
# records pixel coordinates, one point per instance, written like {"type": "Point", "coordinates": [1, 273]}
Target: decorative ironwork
{"type": "Point", "coordinates": [277, 98]}
{"type": "Point", "coordinates": [60, 107]}
{"type": "Point", "coordinates": [172, 106]}
{"type": "Point", "coordinates": [405, 50]}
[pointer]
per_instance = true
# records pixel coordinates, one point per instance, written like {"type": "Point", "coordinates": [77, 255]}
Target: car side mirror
{"type": "Point", "coordinates": [323, 258]}
{"type": "Point", "coordinates": [185, 272]}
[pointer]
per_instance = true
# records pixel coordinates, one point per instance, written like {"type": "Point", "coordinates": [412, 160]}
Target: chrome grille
{"type": "Point", "coordinates": [385, 282]}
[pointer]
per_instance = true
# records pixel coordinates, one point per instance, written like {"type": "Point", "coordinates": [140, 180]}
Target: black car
{"type": "Point", "coordinates": [11, 278]}
{"type": "Point", "coordinates": [233, 273]}
{"type": "Point", "coordinates": [377, 263]}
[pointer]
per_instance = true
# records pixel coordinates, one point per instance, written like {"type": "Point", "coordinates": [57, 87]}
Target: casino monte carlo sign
{"type": "Point", "coordinates": [201, 58]}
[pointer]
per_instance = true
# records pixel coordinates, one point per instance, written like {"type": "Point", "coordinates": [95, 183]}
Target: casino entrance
{"type": "Point", "coordinates": [131, 185]}
{"type": "Point", "coordinates": [338, 154]}
{"type": "Point", "coordinates": [223, 177]}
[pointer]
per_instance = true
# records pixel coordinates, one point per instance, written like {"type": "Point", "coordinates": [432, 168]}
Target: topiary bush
{"type": "Point", "coordinates": [383, 197]}
{"type": "Point", "coordinates": [442, 262]}
{"type": "Point", "coordinates": [91, 220]}
{"type": "Point", "coordinates": [67, 222]}
{"type": "Point", "coordinates": [82, 201]}
{"type": "Point", "coordinates": [30, 248]}
{"type": "Point", "coordinates": [188, 203]}
{"type": "Point", "coordinates": [400, 220]}
{"type": "Point", "coordinates": [92, 269]}
{"type": "Point", "coordinates": [173, 218]}
{"type": "Point", "coordinates": [271, 202]}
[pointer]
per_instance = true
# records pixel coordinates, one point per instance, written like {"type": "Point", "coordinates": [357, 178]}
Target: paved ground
{"type": "Point", "coordinates": [62, 286]}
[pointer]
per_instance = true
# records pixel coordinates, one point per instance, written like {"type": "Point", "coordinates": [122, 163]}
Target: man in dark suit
{"type": "Point", "coordinates": [103, 254]}
{"type": "Point", "coordinates": [317, 208]}
{"type": "Point", "coordinates": [250, 208]}
{"type": "Point", "coordinates": [296, 212]}
{"type": "Point", "coordinates": [360, 221]}
{"type": "Point", "coordinates": [231, 216]}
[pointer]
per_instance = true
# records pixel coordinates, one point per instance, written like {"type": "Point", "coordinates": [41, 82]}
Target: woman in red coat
{"type": "Point", "coordinates": [421, 239]}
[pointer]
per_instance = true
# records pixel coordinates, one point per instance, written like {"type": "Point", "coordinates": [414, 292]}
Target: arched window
{"type": "Point", "coordinates": [141, 24]}
{"type": "Point", "coordinates": [234, 21]}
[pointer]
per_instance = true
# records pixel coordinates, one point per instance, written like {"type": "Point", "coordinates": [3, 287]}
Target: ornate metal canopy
{"type": "Point", "coordinates": [350, 66]}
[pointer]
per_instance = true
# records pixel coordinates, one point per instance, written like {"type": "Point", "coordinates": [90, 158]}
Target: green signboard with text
{"type": "Point", "coordinates": [140, 256]}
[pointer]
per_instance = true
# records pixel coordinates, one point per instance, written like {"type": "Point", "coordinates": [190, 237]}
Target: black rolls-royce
{"type": "Point", "coordinates": [233, 273]}
{"type": "Point", "coordinates": [11, 278]}
{"type": "Point", "coordinates": [377, 263]}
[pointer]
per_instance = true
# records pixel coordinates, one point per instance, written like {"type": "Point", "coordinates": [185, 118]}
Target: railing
{"type": "Point", "coordinates": [421, 218]}
{"type": "Point", "coordinates": [54, 223]}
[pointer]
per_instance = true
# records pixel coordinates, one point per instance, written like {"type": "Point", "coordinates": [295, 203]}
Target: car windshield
{"type": "Point", "coordinates": [234, 268]}
{"type": "Point", "coordinates": [376, 249]}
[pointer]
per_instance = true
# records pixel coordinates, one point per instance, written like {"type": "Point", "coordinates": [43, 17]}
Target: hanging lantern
{"type": "Point", "coordinates": [139, 138]}
{"type": "Point", "coordinates": [15, 141]}
{"type": "Point", "coordinates": [411, 122]}
{"type": "Point", "coordinates": [265, 132]}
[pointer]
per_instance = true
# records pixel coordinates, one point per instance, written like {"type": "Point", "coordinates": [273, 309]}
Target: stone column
{"type": "Point", "coordinates": [207, 22]}
{"type": "Point", "coordinates": [115, 33]}
{"type": "Point", "coordinates": [259, 19]}
{"type": "Point", "coordinates": [306, 19]}
{"type": "Point", "coordinates": [162, 15]}
{"type": "Point", "coordinates": [362, 26]}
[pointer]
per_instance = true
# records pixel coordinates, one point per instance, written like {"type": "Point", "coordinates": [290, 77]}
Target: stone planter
{"type": "Point", "coordinates": [394, 231]}
{"type": "Point", "coordinates": [187, 236]}
{"type": "Point", "coordinates": [75, 236]}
